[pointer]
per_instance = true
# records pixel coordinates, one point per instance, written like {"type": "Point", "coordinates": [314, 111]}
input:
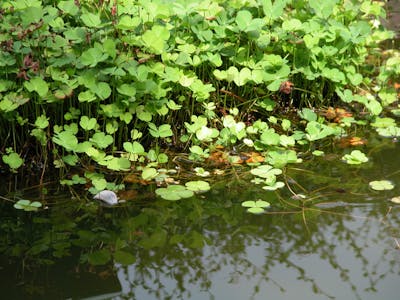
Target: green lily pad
{"type": "Point", "coordinates": [174, 192]}
{"type": "Point", "coordinates": [395, 200]}
{"type": "Point", "coordinates": [27, 205]}
{"type": "Point", "coordinates": [265, 171]}
{"type": "Point", "coordinates": [381, 185]}
{"type": "Point", "coordinates": [356, 157]}
{"type": "Point", "coordinates": [198, 186]}
{"type": "Point", "coordinates": [256, 207]}
{"type": "Point", "coordinates": [275, 186]}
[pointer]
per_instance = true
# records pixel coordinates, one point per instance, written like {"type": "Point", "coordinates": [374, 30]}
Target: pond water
{"type": "Point", "coordinates": [340, 242]}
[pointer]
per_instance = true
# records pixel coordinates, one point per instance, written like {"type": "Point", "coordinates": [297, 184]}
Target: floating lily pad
{"type": "Point", "coordinates": [27, 205]}
{"type": "Point", "coordinates": [381, 185]}
{"type": "Point", "coordinates": [318, 153]}
{"type": "Point", "coordinates": [395, 200]}
{"type": "Point", "coordinates": [197, 186]}
{"type": "Point", "coordinates": [174, 192]}
{"type": "Point", "coordinates": [274, 186]}
{"type": "Point", "coordinates": [256, 207]}
{"type": "Point", "coordinates": [265, 171]}
{"type": "Point", "coordinates": [356, 157]}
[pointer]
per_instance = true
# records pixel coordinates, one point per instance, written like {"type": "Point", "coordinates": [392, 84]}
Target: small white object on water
{"type": "Point", "coordinates": [108, 197]}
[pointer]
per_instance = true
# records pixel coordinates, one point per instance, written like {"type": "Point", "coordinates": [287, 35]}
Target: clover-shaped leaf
{"type": "Point", "coordinates": [356, 157]}
{"type": "Point", "coordinates": [274, 186]}
{"type": "Point", "coordinates": [256, 207]}
{"type": "Point", "coordinates": [27, 205]}
{"type": "Point", "coordinates": [174, 192]}
{"type": "Point", "coordinates": [197, 186]}
{"type": "Point", "coordinates": [395, 200]}
{"type": "Point", "coordinates": [265, 171]}
{"type": "Point", "coordinates": [381, 185]}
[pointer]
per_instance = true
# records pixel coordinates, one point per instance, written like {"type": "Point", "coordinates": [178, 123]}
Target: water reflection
{"type": "Point", "coordinates": [341, 242]}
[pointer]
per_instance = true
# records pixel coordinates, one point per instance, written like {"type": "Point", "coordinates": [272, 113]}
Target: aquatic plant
{"type": "Point", "coordinates": [113, 85]}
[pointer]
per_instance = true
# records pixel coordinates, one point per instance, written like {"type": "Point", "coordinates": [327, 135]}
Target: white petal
{"type": "Point", "coordinates": [107, 196]}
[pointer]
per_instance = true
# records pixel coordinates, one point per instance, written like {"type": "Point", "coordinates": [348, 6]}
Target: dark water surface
{"type": "Point", "coordinates": [341, 243]}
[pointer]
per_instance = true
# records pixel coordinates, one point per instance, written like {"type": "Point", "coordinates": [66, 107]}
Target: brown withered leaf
{"type": "Point", "coordinates": [286, 87]}
{"type": "Point", "coordinates": [254, 157]}
{"type": "Point", "coordinates": [348, 141]}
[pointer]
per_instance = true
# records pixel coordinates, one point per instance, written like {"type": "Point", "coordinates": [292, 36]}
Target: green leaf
{"type": "Point", "coordinates": [87, 96]}
{"type": "Point", "coordinates": [42, 122]}
{"type": "Point", "coordinates": [356, 157]}
{"type": "Point", "coordinates": [100, 257]}
{"type": "Point", "coordinates": [162, 131]}
{"type": "Point", "coordinates": [92, 57]}
{"type": "Point", "coordinates": [274, 186]}
{"type": "Point", "coordinates": [13, 160]}
{"type": "Point", "coordinates": [66, 139]}
{"type": "Point", "coordinates": [265, 171]}
{"type": "Point", "coordinates": [149, 173]}
{"type": "Point", "coordinates": [88, 124]}
{"type": "Point", "coordinates": [124, 258]}
{"type": "Point", "coordinates": [90, 20]}
{"type": "Point", "coordinates": [323, 8]}
{"type": "Point", "coordinates": [101, 140]}
{"type": "Point", "coordinates": [381, 185]}
{"type": "Point", "coordinates": [273, 10]}
{"type": "Point", "coordinates": [308, 114]}
{"type": "Point", "coordinates": [68, 7]}
{"type": "Point", "coordinates": [37, 85]}
{"type": "Point", "coordinates": [270, 137]}
{"type": "Point", "coordinates": [27, 205]}
{"type": "Point", "coordinates": [119, 164]}
{"type": "Point", "coordinates": [256, 207]}
{"type": "Point", "coordinates": [134, 148]}
{"type": "Point", "coordinates": [127, 90]}
{"type": "Point", "coordinates": [243, 19]}
{"type": "Point", "coordinates": [103, 90]}
{"type": "Point", "coordinates": [126, 22]}
{"type": "Point", "coordinates": [197, 186]}
{"type": "Point", "coordinates": [155, 39]}
{"type": "Point", "coordinates": [174, 192]}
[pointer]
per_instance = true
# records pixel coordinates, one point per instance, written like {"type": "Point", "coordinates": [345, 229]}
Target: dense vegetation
{"type": "Point", "coordinates": [117, 83]}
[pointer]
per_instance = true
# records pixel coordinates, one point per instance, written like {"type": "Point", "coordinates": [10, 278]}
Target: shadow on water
{"type": "Point", "coordinates": [340, 242]}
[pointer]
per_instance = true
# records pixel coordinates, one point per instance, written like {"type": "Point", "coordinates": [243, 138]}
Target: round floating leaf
{"type": "Point", "coordinates": [197, 186]}
{"type": "Point", "coordinates": [174, 192]}
{"type": "Point", "coordinates": [27, 205]}
{"type": "Point", "coordinates": [318, 153]}
{"type": "Point", "coordinates": [356, 157]}
{"type": "Point", "coordinates": [381, 185]}
{"type": "Point", "coordinates": [256, 207]}
{"type": "Point", "coordinates": [265, 171]}
{"type": "Point", "coordinates": [395, 200]}
{"type": "Point", "coordinates": [275, 186]}
{"type": "Point", "coordinates": [255, 210]}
